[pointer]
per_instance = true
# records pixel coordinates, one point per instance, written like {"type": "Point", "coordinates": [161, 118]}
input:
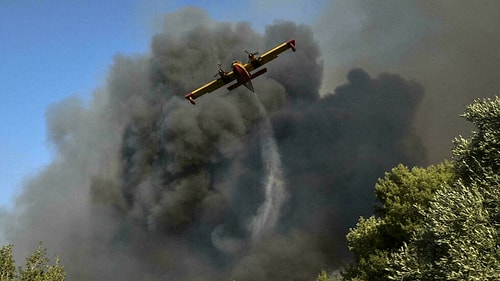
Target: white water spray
{"type": "Point", "coordinates": [275, 194]}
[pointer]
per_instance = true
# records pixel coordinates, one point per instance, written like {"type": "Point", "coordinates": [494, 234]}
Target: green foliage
{"type": "Point", "coordinates": [7, 267]}
{"type": "Point", "coordinates": [460, 236]}
{"type": "Point", "coordinates": [401, 192]}
{"type": "Point", "coordinates": [478, 157]}
{"type": "Point", "coordinates": [457, 241]}
{"type": "Point", "coordinates": [36, 268]}
{"type": "Point", "coordinates": [481, 150]}
{"type": "Point", "coordinates": [323, 276]}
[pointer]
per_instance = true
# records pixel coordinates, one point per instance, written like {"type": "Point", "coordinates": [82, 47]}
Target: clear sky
{"type": "Point", "coordinates": [53, 49]}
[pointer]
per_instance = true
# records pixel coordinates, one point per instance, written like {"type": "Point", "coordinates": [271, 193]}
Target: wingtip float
{"type": "Point", "coordinates": [241, 72]}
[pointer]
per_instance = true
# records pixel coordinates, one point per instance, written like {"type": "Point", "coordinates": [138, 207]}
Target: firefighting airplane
{"type": "Point", "coordinates": [241, 72]}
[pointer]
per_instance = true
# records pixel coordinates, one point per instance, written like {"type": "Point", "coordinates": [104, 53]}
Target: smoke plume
{"type": "Point", "coordinates": [145, 186]}
{"type": "Point", "coordinates": [450, 49]}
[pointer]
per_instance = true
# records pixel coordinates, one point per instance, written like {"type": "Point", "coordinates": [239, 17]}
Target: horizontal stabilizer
{"type": "Point", "coordinates": [234, 86]}
{"type": "Point", "coordinates": [258, 73]}
{"type": "Point", "coordinates": [250, 86]}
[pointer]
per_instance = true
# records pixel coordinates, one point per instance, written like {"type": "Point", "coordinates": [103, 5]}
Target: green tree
{"type": "Point", "coordinates": [400, 193]}
{"type": "Point", "coordinates": [7, 266]}
{"type": "Point", "coordinates": [460, 236]}
{"type": "Point", "coordinates": [323, 276]}
{"type": "Point", "coordinates": [457, 241]}
{"type": "Point", "coordinates": [37, 267]}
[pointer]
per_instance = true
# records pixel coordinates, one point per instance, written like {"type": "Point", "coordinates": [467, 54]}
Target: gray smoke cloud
{"type": "Point", "coordinates": [145, 186]}
{"type": "Point", "coordinates": [451, 49]}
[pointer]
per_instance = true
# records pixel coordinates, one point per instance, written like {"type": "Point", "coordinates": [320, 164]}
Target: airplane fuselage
{"type": "Point", "coordinates": [242, 75]}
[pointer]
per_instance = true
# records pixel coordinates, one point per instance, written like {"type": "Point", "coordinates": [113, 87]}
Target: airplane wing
{"type": "Point", "coordinates": [251, 65]}
{"type": "Point", "coordinates": [270, 55]}
{"type": "Point", "coordinates": [210, 87]}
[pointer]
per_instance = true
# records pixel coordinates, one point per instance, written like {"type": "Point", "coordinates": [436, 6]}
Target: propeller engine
{"type": "Point", "coordinates": [251, 56]}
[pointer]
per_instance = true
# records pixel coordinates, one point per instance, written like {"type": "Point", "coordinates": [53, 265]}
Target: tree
{"type": "Point", "coordinates": [7, 267]}
{"type": "Point", "coordinates": [37, 267]}
{"type": "Point", "coordinates": [460, 236]}
{"type": "Point", "coordinates": [400, 193]}
{"type": "Point", "coordinates": [456, 242]}
{"type": "Point", "coordinates": [324, 276]}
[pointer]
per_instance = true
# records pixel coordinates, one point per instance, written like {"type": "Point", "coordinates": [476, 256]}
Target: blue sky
{"type": "Point", "coordinates": [53, 49]}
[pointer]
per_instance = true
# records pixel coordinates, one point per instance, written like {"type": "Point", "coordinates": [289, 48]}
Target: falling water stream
{"type": "Point", "coordinates": [267, 215]}
{"type": "Point", "coordinates": [275, 195]}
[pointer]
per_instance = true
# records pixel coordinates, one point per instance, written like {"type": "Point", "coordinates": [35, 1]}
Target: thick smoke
{"type": "Point", "coordinates": [451, 49]}
{"type": "Point", "coordinates": [145, 186]}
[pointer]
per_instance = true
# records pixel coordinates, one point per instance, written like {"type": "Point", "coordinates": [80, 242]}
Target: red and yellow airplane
{"type": "Point", "coordinates": [241, 72]}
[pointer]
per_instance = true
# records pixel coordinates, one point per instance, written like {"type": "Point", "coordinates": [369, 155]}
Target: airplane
{"type": "Point", "coordinates": [241, 72]}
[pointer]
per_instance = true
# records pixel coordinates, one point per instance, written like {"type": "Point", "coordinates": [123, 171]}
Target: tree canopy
{"type": "Point", "coordinates": [37, 267]}
{"type": "Point", "coordinates": [438, 223]}
{"type": "Point", "coordinates": [400, 193]}
{"type": "Point", "coordinates": [460, 236]}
